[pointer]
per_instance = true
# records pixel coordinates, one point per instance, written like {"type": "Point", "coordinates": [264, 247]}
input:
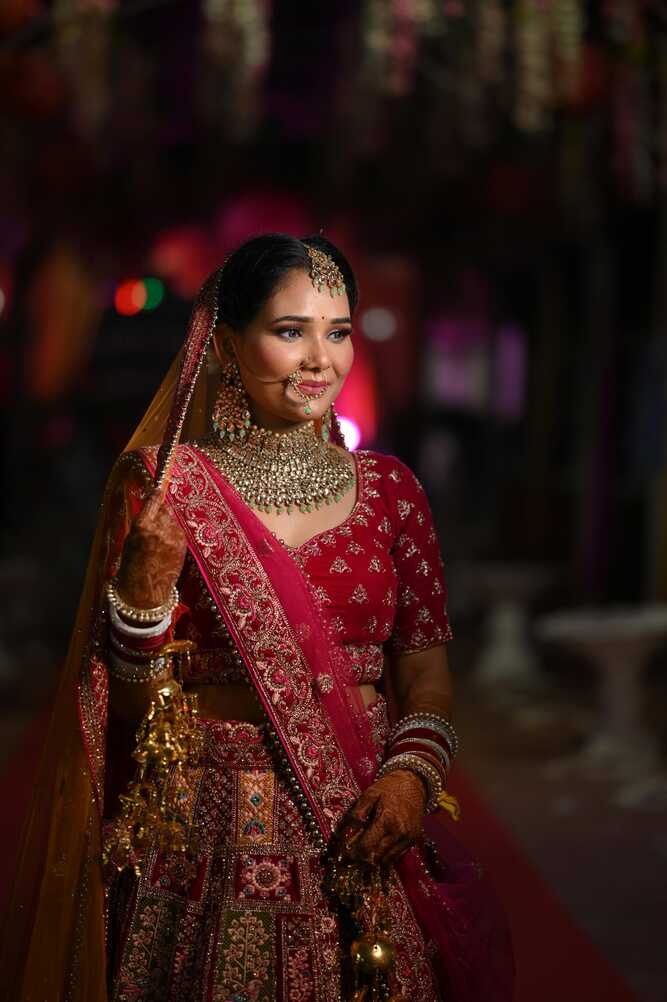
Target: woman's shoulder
{"type": "Point", "coordinates": [396, 488]}
{"type": "Point", "coordinates": [390, 469]}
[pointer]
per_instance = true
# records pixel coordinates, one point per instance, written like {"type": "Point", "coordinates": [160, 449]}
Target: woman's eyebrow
{"type": "Point", "coordinates": [310, 320]}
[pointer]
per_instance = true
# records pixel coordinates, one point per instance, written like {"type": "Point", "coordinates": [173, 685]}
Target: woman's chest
{"type": "Point", "coordinates": [352, 572]}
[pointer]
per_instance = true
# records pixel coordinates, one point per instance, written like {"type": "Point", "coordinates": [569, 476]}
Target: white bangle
{"type": "Point", "coordinates": [145, 632]}
{"type": "Point", "coordinates": [429, 721]}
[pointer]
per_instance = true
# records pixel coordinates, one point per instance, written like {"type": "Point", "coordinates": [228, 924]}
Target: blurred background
{"type": "Point", "coordinates": [496, 170]}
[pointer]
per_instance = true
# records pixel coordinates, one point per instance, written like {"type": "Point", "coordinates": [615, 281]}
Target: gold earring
{"type": "Point", "coordinates": [231, 411]}
{"type": "Point", "coordinates": [334, 430]}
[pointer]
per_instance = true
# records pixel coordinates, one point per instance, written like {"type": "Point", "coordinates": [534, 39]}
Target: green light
{"type": "Point", "coordinates": [154, 293]}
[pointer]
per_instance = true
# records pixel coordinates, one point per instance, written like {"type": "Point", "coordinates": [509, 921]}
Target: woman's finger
{"type": "Point", "coordinates": [398, 850]}
{"type": "Point", "coordinates": [362, 810]}
{"type": "Point", "coordinates": [387, 844]}
{"type": "Point", "coordinates": [367, 846]}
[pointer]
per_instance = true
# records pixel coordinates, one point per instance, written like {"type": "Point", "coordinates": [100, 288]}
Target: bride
{"type": "Point", "coordinates": [246, 558]}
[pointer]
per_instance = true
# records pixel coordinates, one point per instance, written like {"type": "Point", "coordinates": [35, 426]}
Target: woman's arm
{"type": "Point", "coordinates": [392, 808]}
{"type": "Point", "coordinates": [422, 682]}
{"type": "Point", "coordinates": [145, 551]}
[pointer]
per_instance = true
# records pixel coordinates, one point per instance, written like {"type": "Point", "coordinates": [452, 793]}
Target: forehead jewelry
{"type": "Point", "coordinates": [325, 272]}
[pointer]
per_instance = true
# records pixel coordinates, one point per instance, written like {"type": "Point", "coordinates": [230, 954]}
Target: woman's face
{"type": "Point", "coordinates": [298, 328]}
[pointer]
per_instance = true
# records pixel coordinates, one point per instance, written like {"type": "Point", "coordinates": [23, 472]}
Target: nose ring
{"type": "Point", "coordinates": [295, 379]}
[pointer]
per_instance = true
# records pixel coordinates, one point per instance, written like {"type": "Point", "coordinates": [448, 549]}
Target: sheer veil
{"type": "Point", "coordinates": [53, 936]}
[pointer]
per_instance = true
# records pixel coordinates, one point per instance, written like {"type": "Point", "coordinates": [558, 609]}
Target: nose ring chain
{"type": "Point", "coordinates": [295, 379]}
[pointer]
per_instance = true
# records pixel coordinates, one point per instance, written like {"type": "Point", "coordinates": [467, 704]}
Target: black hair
{"type": "Point", "coordinates": [256, 269]}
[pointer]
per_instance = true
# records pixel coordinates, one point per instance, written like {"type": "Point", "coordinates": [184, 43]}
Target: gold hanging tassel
{"type": "Point", "coordinates": [362, 889]}
{"type": "Point", "coordinates": [169, 742]}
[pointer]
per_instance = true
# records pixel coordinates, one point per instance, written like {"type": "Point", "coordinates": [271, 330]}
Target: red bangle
{"type": "Point", "coordinates": [429, 757]}
{"type": "Point", "coordinates": [420, 746]}
{"type": "Point", "coordinates": [129, 646]}
{"type": "Point", "coordinates": [430, 734]}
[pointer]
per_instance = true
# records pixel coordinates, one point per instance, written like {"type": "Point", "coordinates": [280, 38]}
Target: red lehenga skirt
{"type": "Point", "coordinates": [248, 919]}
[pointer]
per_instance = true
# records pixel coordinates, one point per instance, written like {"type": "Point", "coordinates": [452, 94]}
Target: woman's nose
{"type": "Point", "coordinates": [318, 355]}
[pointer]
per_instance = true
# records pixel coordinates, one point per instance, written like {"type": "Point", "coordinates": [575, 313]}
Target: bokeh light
{"type": "Point", "coordinates": [154, 293]}
{"type": "Point", "coordinates": [351, 432]}
{"type": "Point", "coordinates": [135, 295]}
{"type": "Point", "coordinates": [3, 301]}
{"type": "Point", "coordinates": [130, 297]}
{"type": "Point", "coordinates": [378, 323]}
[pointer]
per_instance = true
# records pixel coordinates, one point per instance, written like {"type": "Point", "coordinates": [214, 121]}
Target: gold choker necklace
{"type": "Point", "coordinates": [283, 471]}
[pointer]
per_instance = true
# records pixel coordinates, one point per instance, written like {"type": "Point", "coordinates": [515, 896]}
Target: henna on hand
{"type": "Point", "coordinates": [390, 811]}
{"type": "Point", "coordinates": [153, 556]}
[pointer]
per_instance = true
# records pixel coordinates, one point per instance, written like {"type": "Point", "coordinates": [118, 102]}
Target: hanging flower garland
{"type": "Point", "coordinates": [82, 43]}
{"type": "Point", "coordinates": [236, 45]}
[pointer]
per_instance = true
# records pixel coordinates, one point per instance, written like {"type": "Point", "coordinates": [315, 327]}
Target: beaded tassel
{"type": "Point", "coordinates": [168, 741]}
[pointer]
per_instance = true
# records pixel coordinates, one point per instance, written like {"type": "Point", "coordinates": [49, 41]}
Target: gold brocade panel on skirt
{"type": "Point", "coordinates": [246, 920]}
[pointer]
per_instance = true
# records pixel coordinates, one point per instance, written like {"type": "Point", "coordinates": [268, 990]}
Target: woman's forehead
{"type": "Point", "coordinates": [298, 297]}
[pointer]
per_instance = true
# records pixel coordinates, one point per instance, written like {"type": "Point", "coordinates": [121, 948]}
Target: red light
{"type": "Point", "coordinates": [130, 297]}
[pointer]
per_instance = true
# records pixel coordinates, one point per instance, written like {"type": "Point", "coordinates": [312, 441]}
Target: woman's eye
{"type": "Point", "coordinates": [339, 335]}
{"type": "Point", "coordinates": [289, 333]}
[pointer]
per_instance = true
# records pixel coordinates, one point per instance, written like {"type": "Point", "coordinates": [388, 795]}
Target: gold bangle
{"type": "Point", "coordinates": [136, 615]}
{"type": "Point", "coordinates": [157, 669]}
{"type": "Point", "coordinates": [417, 764]}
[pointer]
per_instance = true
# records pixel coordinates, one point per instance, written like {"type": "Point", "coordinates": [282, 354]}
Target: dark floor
{"type": "Point", "coordinates": [607, 864]}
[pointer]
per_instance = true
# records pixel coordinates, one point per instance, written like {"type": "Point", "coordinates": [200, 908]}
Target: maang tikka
{"type": "Point", "coordinates": [325, 272]}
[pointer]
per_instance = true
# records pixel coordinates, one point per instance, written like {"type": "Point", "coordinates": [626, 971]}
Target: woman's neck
{"type": "Point", "coordinates": [263, 419]}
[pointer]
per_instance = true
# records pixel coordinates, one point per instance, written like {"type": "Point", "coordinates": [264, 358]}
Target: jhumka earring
{"type": "Point", "coordinates": [231, 412]}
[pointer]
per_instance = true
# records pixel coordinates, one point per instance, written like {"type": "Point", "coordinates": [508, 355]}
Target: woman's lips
{"type": "Point", "coordinates": [312, 389]}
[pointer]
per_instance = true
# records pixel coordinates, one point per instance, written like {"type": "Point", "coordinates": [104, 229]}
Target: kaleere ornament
{"type": "Point", "coordinates": [362, 889]}
{"type": "Point", "coordinates": [169, 741]}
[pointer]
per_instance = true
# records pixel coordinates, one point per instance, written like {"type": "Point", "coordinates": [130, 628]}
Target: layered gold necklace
{"type": "Point", "coordinates": [283, 471]}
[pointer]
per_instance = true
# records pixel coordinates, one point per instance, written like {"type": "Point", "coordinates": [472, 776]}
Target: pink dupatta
{"type": "Point", "coordinates": [300, 676]}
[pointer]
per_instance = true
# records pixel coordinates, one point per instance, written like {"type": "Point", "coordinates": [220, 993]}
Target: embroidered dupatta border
{"type": "Point", "coordinates": [267, 641]}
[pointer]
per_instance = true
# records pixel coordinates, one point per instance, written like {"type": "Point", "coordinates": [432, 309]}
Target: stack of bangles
{"type": "Point", "coordinates": [136, 636]}
{"type": "Point", "coordinates": [426, 744]}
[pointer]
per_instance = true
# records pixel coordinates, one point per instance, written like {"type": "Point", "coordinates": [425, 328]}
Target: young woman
{"type": "Point", "coordinates": [308, 584]}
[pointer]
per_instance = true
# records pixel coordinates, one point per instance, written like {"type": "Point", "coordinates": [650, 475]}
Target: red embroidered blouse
{"type": "Point", "coordinates": [378, 575]}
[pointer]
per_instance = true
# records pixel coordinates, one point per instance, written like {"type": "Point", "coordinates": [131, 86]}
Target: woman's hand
{"type": "Point", "coordinates": [153, 556]}
{"type": "Point", "coordinates": [389, 815]}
